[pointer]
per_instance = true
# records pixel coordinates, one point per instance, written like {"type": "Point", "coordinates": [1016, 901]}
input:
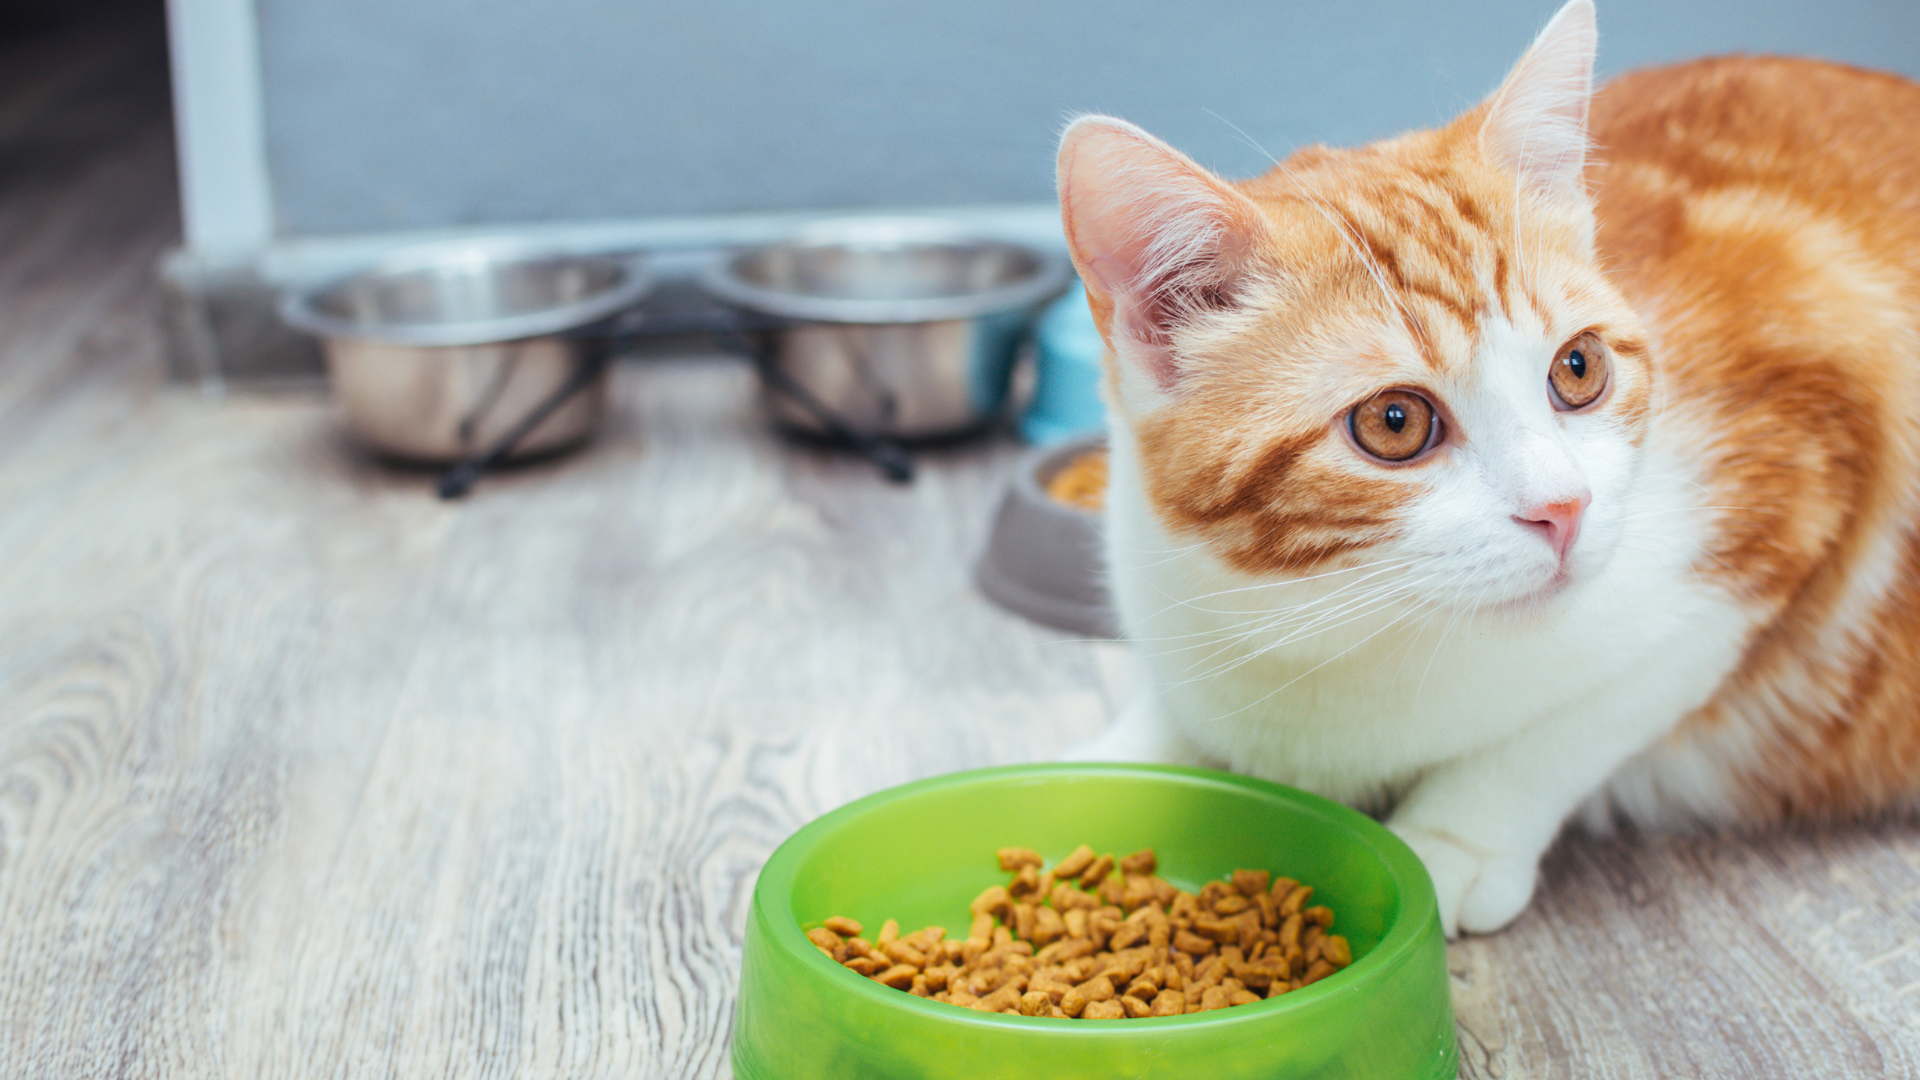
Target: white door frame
{"type": "Point", "coordinates": [225, 192]}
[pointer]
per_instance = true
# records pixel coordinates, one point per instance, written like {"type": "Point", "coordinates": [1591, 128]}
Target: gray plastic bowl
{"type": "Point", "coordinates": [1043, 558]}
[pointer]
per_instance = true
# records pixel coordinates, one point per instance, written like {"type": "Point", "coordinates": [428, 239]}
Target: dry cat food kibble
{"type": "Point", "coordinates": [1082, 482]}
{"type": "Point", "coordinates": [1097, 938]}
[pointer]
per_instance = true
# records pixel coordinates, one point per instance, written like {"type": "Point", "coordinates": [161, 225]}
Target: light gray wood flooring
{"type": "Point", "coordinates": [306, 774]}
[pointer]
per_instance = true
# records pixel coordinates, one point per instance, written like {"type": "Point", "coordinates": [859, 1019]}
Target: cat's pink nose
{"type": "Point", "coordinates": [1558, 522]}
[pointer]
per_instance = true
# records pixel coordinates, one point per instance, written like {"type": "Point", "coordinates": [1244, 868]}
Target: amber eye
{"type": "Point", "coordinates": [1580, 371]}
{"type": "Point", "coordinates": [1394, 425]}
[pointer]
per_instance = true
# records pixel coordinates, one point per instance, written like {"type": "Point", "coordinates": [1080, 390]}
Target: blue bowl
{"type": "Point", "coordinates": [1066, 393]}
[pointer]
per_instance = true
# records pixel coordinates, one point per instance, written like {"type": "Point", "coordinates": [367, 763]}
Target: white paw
{"type": "Point", "coordinates": [1138, 734]}
{"type": "Point", "coordinates": [1120, 743]}
{"type": "Point", "coordinates": [1479, 891]}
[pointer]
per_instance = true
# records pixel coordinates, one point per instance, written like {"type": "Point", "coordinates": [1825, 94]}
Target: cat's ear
{"type": "Point", "coordinates": [1157, 239]}
{"type": "Point", "coordinates": [1536, 123]}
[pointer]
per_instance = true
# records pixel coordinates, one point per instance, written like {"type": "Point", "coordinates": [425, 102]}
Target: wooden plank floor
{"type": "Point", "coordinates": [305, 774]}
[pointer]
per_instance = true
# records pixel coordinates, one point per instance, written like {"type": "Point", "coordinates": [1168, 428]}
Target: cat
{"type": "Point", "coordinates": [1466, 480]}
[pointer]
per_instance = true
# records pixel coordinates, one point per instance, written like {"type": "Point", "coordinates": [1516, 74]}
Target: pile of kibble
{"type": "Point", "coordinates": [1097, 938]}
{"type": "Point", "coordinates": [1082, 482]}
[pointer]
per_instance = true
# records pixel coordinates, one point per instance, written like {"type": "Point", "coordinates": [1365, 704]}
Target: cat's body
{"type": "Point", "coordinates": [1789, 308]}
{"type": "Point", "coordinates": [1657, 554]}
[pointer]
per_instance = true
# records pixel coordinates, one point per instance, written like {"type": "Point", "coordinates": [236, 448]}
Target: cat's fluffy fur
{"type": "Point", "coordinates": [1733, 632]}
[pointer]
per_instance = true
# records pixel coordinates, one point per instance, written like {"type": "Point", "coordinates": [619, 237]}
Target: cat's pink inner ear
{"type": "Point", "coordinates": [1536, 123]}
{"type": "Point", "coordinates": [1152, 233]}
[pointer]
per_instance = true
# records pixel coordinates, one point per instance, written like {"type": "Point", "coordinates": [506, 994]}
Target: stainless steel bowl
{"type": "Point", "coordinates": [437, 352]}
{"type": "Point", "coordinates": [900, 327]}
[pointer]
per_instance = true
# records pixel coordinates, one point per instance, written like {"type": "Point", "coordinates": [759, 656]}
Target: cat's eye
{"type": "Point", "coordinates": [1579, 373]}
{"type": "Point", "coordinates": [1394, 425]}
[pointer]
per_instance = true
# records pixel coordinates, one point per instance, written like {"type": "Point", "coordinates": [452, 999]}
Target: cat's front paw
{"type": "Point", "coordinates": [1122, 742]}
{"type": "Point", "coordinates": [1479, 891]}
{"type": "Point", "coordinates": [1138, 734]}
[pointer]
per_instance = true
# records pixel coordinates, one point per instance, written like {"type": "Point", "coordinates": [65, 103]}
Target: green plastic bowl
{"type": "Point", "coordinates": [920, 852]}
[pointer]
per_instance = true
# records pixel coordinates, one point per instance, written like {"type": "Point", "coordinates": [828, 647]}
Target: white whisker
{"type": "Point", "coordinates": [1286, 629]}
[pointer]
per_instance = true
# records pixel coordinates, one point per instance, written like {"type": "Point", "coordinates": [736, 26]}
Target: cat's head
{"type": "Point", "coordinates": [1405, 351]}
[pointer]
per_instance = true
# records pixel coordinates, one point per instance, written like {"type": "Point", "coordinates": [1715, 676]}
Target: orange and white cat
{"type": "Point", "coordinates": [1465, 476]}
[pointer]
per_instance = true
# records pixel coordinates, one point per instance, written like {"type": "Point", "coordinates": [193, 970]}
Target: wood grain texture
{"type": "Point", "coordinates": [305, 774]}
{"type": "Point", "coordinates": [1789, 954]}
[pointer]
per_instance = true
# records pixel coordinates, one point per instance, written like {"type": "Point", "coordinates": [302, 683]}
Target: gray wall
{"type": "Point", "coordinates": [399, 114]}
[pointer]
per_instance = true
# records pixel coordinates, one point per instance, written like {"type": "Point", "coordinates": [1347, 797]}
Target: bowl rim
{"type": "Point", "coordinates": [721, 276]}
{"type": "Point", "coordinates": [299, 307]}
{"type": "Point", "coordinates": [1418, 916]}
